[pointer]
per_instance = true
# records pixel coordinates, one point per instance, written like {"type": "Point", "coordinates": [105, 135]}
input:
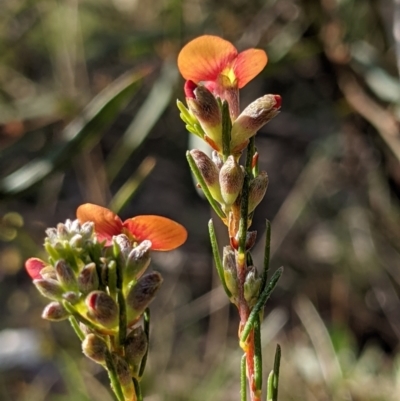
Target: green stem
{"type": "Point", "coordinates": [112, 374]}
{"type": "Point", "coordinates": [217, 256]}
{"type": "Point", "coordinates": [264, 296]}
{"type": "Point", "coordinates": [77, 329]}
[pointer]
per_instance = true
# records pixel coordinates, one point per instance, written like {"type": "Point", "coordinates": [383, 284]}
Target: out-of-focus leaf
{"type": "Point", "coordinates": [79, 134]}
{"type": "Point", "coordinates": [151, 110]}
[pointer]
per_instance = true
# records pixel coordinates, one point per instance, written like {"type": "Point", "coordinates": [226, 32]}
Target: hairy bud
{"type": "Point", "coordinates": [257, 188]}
{"type": "Point", "coordinates": [124, 377]}
{"type": "Point", "coordinates": [49, 288]}
{"type": "Point", "coordinates": [65, 274]}
{"type": "Point", "coordinates": [95, 348]}
{"type": "Point", "coordinates": [210, 173]}
{"type": "Point", "coordinates": [231, 180]}
{"type": "Point", "coordinates": [88, 279]}
{"type": "Point", "coordinates": [204, 106]}
{"type": "Point", "coordinates": [252, 286]}
{"type": "Point", "coordinates": [136, 347]}
{"type": "Point", "coordinates": [140, 295]}
{"type": "Point", "coordinates": [252, 118]}
{"type": "Point", "coordinates": [230, 273]}
{"type": "Point", "coordinates": [55, 312]}
{"type": "Point", "coordinates": [102, 308]}
{"type": "Point", "coordinates": [137, 261]}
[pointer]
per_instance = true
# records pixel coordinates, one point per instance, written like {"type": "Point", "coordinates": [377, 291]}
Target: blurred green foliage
{"type": "Point", "coordinates": [87, 114]}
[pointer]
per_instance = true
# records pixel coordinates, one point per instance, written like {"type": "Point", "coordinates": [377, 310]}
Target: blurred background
{"type": "Point", "coordinates": [88, 113]}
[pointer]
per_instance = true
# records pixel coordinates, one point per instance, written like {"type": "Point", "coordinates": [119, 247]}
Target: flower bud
{"type": "Point", "coordinates": [251, 237]}
{"type": "Point", "coordinates": [72, 297]}
{"type": "Point", "coordinates": [252, 286]}
{"type": "Point", "coordinates": [34, 267]}
{"type": "Point", "coordinates": [124, 377]}
{"type": "Point", "coordinates": [137, 261]}
{"type": "Point", "coordinates": [76, 241]}
{"type": "Point", "coordinates": [102, 308]}
{"type": "Point", "coordinates": [257, 188]}
{"type": "Point", "coordinates": [230, 273]}
{"type": "Point", "coordinates": [48, 272]}
{"type": "Point", "coordinates": [204, 106]}
{"type": "Point", "coordinates": [252, 118]}
{"type": "Point", "coordinates": [217, 159]}
{"type": "Point", "coordinates": [209, 172]}
{"type": "Point", "coordinates": [62, 231]}
{"type": "Point", "coordinates": [135, 347]}
{"type": "Point", "coordinates": [87, 230]}
{"type": "Point", "coordinates": [231, 180]}
{"type": "Point", "coordinates": [95, 348]}
{"type": "Point", "coordinates": [88, 279]}
{"type": "Point", "coordinates": [124, 244]}
{"type": "Point", "coordinates": [55, 312]}
{"type": "Point", "coordinates": [65, 274]}
{"type": "Point", "coordinates": [49, 288]}
{"type": "Point", "coordinates": [140, 295]}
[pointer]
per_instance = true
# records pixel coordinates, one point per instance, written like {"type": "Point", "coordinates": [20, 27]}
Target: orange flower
{"type": "Point", "coordinates": [164, 234]}
{"type": "Point", "coordinates": [217, 64]}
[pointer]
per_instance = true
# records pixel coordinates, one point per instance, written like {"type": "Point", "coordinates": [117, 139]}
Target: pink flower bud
{"type": "Point", "coordinates": [202, 103]}
{"type": "Point", "coordinates": [102, 309]}
{"type": "Point", "coordinates": [33, 267]}
{"type": "Point", "coordinates": [252, 118]}
{"type": "Point", "coordinates": [231, 180]}
{"type": "Point", "coordinates": [55, 312]}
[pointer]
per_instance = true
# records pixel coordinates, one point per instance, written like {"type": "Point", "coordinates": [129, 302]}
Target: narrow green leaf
{"type": "Point", "coordinates": [243, 387]}
{"type": "Point", "coordinates": [217, 257]}
{"type": "Point", "coordinates": [146, 117]}
{"type": "Point", "coordinates": [257, 353]}
{"type": "Point", "coordinates": [267, 252]}
{"type": "Point", "coordinates": [79, 134]}
{"type": "Point", "coordinates": [273, 378]}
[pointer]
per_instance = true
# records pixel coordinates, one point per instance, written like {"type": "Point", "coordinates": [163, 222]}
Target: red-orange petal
{"type": "Point", "coordinates": [33, 267]}
{"type": "Point", "coordinates": [106, 223]}
{"type": "Point", "coordinates": [164, 234]}
{"type": "Point", "coordinates": [205, 57]}
{"type": "Point", "coordinates": [248, 64]}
